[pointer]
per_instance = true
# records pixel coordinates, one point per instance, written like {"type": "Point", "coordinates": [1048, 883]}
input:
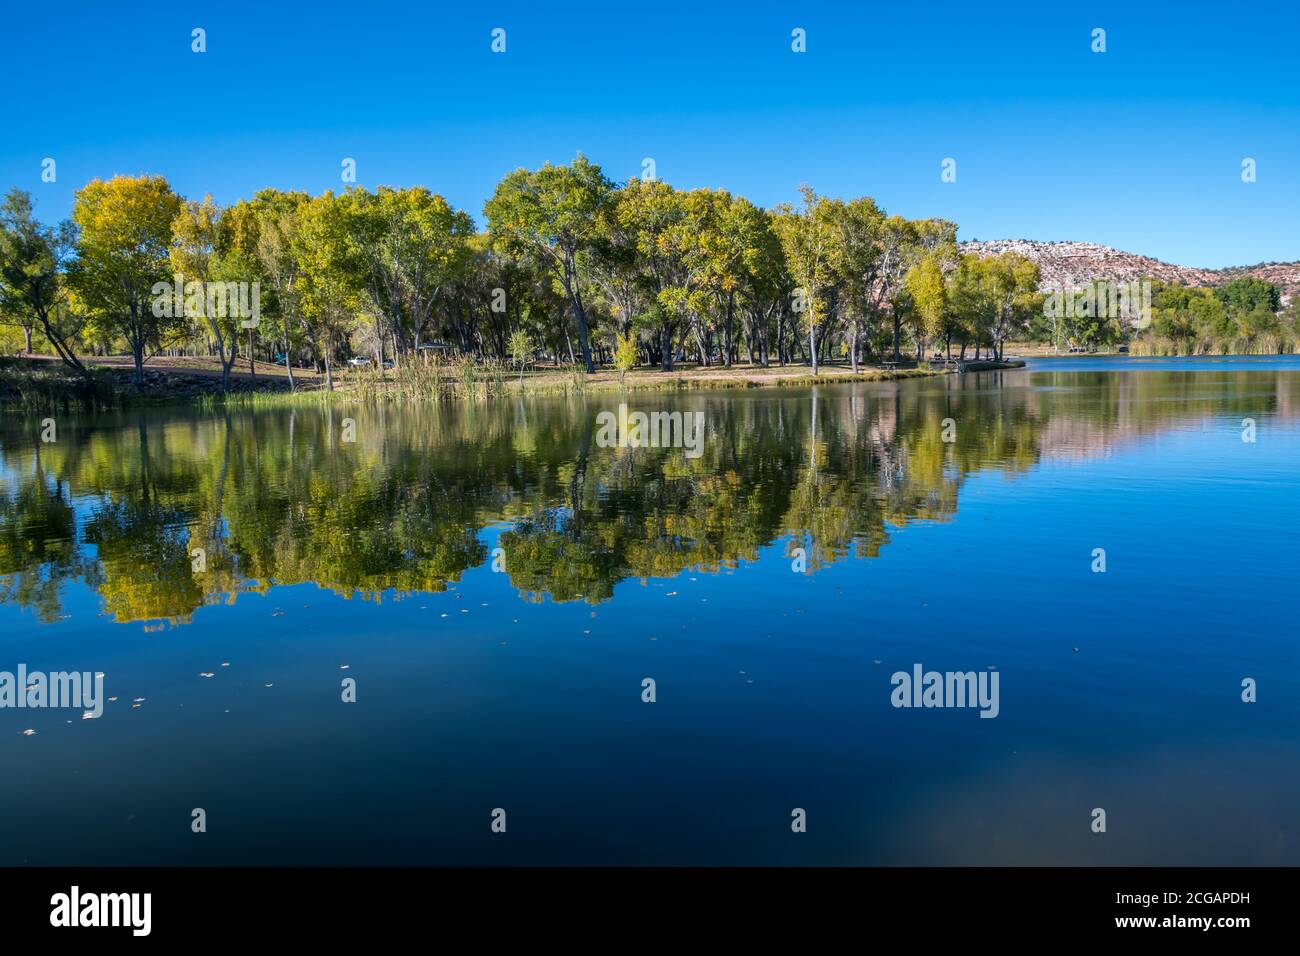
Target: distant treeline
{"type": "Point", "coordinates": [1244, 316]}
{"type": "Point", "coordinates": [571, 267]}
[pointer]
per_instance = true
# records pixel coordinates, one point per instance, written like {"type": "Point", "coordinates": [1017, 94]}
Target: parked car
{"type": "Point", "coordinates": [358, 361]}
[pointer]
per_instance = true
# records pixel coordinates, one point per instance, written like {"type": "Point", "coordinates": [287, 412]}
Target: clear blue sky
{"type": "Point", "coordinates": [1139, 148]}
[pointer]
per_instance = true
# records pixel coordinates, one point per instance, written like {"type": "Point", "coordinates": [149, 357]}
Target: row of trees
{"type": "Point", "coordinates": [570, 264]}
{"type": "Point", "coordinates": [1243, 315]}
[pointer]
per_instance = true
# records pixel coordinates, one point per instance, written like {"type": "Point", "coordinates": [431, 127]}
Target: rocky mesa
{"type": "Point", "coordinates": [1072, 264]}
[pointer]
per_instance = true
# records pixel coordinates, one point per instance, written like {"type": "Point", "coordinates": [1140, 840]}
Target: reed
{"type": "Point", "coordinates": [575, 379]}
{"type": "Point", "coordinates": [466, 376]}
{"type": "Point", "coordinates": [55, 388]}
{"type": "Point", "coordinates": [1268, 343]}
{"type": "Point", "coordinates": [298, 398]}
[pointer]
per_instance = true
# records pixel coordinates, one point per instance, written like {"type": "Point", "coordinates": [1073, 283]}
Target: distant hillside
{"type": "Point", "coordinates": [1071, 264]}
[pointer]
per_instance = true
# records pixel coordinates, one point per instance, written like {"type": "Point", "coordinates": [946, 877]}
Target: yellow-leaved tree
{"type": "Point", "coordinates": [125, 226]}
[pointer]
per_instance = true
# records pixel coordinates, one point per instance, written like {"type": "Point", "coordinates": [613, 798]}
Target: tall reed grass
{"type": "Point", "coordinates": [54, 388]}
{"type": "Point", "coordinates": [1268, 343]}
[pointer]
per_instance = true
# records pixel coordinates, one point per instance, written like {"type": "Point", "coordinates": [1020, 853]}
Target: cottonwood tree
{"type": "Point", "coordinates": [867, 256]}
{"type": "Point", "coordinates": [1010, 281]}
{"type": "Point", "coordinates": [730, 233]}
{"type": "Point", "coordinates": [935, 239]}
{"type": "Point", "coordinates": [33, 257]}
{"type": "Point", "coordinates": [412, 246]}
{"type": "Point", "coordinates": [260, 235]}
{"type": "Point", "coordinates": [928, 290]}
{"type": "Point", "coordinates": [196, 258]}
{"type": "Point", "coordinates": [331, 281]}
{"type": "Point", "coordinates": [122, 251]}
{"type": "Point", "coordinates": [897, 241]}
{"type": "Point", "coordinates": [807, 237]}
{"type": "Point", "coordinates": [766, 285]}
{"type": "Point", "coordinates": [648, 214]}
{"type": "Point", "coordinates": [614, 265]}
{"type": "Point", "coordinates": [552, 213]}
{"type": "Point", "coordinates": [694, 243]}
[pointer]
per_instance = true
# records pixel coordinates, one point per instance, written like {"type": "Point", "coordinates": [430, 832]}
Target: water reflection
{"type": "Point", "coordinates": [164, 512]}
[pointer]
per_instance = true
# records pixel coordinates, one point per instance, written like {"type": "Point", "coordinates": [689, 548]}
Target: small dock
{"type": "Point", "coordinates": [989, 365]}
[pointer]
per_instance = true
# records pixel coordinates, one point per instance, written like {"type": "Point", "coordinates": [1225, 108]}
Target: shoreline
{"type": "Point", "coordinates": [40, 383]}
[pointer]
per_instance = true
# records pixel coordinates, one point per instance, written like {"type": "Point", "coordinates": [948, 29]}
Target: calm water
{"type": "Point", "coordinates": [512, 678]}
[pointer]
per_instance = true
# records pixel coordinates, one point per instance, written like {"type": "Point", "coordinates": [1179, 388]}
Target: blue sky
{"type": "Point", "coordinates": [1139, 147]}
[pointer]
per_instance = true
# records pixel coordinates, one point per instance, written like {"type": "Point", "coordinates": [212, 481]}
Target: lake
{"type": "Point", "coordinates": [494, 584]}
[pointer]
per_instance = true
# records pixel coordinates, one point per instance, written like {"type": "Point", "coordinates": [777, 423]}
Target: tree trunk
{"type": "Point", "coordinates": [579, 313]}
{"type": "Point", "coordinates": [730, 330]}
{"type": "Point", "coordinates": [812, 342]}
{"type": "Point", "coordinates": [60, 346]}
{"type": "Point", "coordinates": [137, 353]}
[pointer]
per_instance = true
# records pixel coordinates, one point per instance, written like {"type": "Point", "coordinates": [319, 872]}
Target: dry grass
{"type": "Point", "coordinates": [463, 378]}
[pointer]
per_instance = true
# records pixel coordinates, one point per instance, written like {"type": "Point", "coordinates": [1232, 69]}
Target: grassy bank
{"type": "Point", "coordinates": [49, 386]}
{"type": "Point", "coordinates": [433, 381]}
{"type": "Point", "coordinates": [43, 384]}
{"type": "Point", "coordinates": [36, 385]}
